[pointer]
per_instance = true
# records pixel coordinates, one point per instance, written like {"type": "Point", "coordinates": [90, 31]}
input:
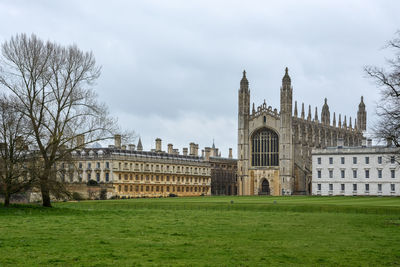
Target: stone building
{"type": "Point", "coordinates": [274, 147]}
{"type": "Point", "coordinates": [133, 172]}
{"type": "Point", "coordinates": [355, 171]}
{"type": "Point", "coordinates": [223, 172]}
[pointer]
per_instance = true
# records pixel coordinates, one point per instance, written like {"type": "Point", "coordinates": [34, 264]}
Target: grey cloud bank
{"type": "Point", "coordinates": [171, 69]}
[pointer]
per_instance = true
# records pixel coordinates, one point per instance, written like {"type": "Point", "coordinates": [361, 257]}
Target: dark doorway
{"type": "Point", "coordinates": [264, 187]}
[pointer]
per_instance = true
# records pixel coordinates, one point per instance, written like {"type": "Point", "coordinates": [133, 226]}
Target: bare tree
{"type": "Point", "coordinates": [53, 85]}
{"type": "Point", "coordinates": [388, 80]}
{"type": "Point", "coordinates": [15, 158]}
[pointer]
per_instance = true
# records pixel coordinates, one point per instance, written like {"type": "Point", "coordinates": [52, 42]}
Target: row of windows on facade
{"type": "Point", "coordinates": [149, 188]}
{"type": "Point", "coordinates": [342, 160]}
{"type": "Point", "coordinates": [126, 166]}
{"type": "Point", "coordinates": [161, 178]}
{"type": "Point", "coordinates": [342, 187]}
{"type": "Point", "coordinates": [89, 177]}
{"type": "Point", "coordinates": [355, 173]}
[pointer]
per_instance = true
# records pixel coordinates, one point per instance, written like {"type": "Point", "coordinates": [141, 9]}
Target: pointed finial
{"type": "Point", "coordinates": [302, 111]}
{"type": "Point", "coordinates": [316, 114]}
{"type": "Point", "coordinates": [309, 113]}
{"type": "Point", "coordinates": [244, 83]}
{"type": "Point", "coordinates": [295, 109]}
{"type": "Point", "coordinates": [254, 108]}
{"type": "Point", "coordinates": [345, 122]}
{"type": "Point", "coordinates": [334, 119]}
{"type": "Point", "coordinates": [139, 145]}
{"type": "Point", "coordinates": [286, 78]}
{"type": "Point", "coordinates": [326, 100]}
{"type": "Point", "coordinates": [350, 126]}
{"type": "Point", "coordinates": [340, 121]}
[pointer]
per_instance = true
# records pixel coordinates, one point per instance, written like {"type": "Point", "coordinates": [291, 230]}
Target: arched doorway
{"type": "Point", "coordinates": [264, 187]}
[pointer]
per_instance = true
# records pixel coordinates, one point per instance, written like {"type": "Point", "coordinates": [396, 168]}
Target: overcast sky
{"type": "Point", "coordinates": [171, 69]}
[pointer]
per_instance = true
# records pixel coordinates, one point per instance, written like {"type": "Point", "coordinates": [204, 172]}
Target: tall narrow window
{"type": "Point", "coordinates": [265, 148]}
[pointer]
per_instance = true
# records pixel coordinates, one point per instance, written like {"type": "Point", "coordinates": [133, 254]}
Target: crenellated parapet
{"type": "Point", "coordinates": [262, 110]}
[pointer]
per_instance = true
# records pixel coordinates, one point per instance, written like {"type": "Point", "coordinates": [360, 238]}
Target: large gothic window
{"type": "Point", "coordinates": [265, 148]}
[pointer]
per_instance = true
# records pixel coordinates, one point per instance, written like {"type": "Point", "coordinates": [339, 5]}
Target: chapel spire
{"type": "Point", "coordinates": [302, 111]}
{"type": "Point", "coordinates": [286, 81]}
{"type": "Point", "coordinates": [325, 114]}
{"type": "Point", "coordinates": [244, 83]}
{"type": "Point", "coordinates": [362, 116]}
{"type": "Point", "coordinates": [309, 113]}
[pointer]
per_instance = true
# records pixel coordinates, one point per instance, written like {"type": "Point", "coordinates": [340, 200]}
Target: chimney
{"type": "Point", "coordinates": [123, 147]}
{"type": "Point", "coordinates": [176, 151]}
{"type": "Point", "coordinates": [340, 142]}
{"type": "Point", "coordinates": [192, 147]}
{"type": "Point", "coordinates": [170, 149]}
{"type": "Point", "coordinates": [230, 153]}
{"type": "Point", "coordinates": [364, 142]}
{"type": "Point", "coordinates": [185, 151]}
{"type": "Point", "coordinates": [131, 147]}
{"type": "Point", "coordinates": [369, 142]}
{"type": "Point", "coordinates": [208, 152]}
{"type": "Point", "coordinates": [202, 153]}
{"type": "Point", "coordinates": [80, 141]}
{"type": "Point", "coordinates": [196, 150]}
{"type": "Point", "coordinates": [158, 145]}
{"type": "Point", "coordinates": [117, 141]}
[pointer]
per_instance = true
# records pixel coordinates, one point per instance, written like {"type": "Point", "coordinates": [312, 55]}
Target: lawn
{"type": "Point", "coordinates": [204, 231]}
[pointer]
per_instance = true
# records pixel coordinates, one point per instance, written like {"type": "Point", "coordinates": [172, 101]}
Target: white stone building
{"type": "Point", "coordinates": [355, 171]}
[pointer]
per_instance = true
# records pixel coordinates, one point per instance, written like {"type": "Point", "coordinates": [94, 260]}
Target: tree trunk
{"type": "Point", "coordinates": [7, 199]}
{"type": "Point", "coordinates": [45, 192]}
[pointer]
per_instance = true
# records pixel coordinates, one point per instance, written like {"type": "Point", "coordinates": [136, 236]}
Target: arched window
{"type": "Point", "coordinates": [265, 148]}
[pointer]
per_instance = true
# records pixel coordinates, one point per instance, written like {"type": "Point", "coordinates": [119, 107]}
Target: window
{"type": "Point", "coordinates": [354, 173]}
{"type": "Point", "coordinates": [392, 159]}
{"type": "Point", "coordinates": [354, 187]}
{"type": "Point", "coordinates": [126, 188]}
{"type": "Point", "coordinates": [379, 173]}
{"type": "Point", "coordinates": [379, 160]}
{"type": "Point", "coordinates": [342, 160]}
{"type": "Point", "coordinates": [319, 174]}
{"type": "Point", "coordinates": [89, 176]}
{"type": "Point", "coordinates": [366, 173]}
{"type": "Point", "coordinates": [392, 174]}
{"type": "Point", "coordinates": [319, 160]}
{"type": "Point", "coordinates": [366, 160]}
{"type": "Point", "coordinates": [98, 177]}
{"type": "Point", "coordinates": [98, 165]}
{"type": "Point", "coordinates": [366, 187]}
{"type": "Point", "coordinates": [107, 164]}
{"type": "Point", "coordinates": [265, 148]}
{"type": "Point", "coordinates": [342, 187]}
{"type": "Point", "coordinates": [392, 187]}
{"type": "Point", "coordinates": [126, 176]}
{"type": "Point", "coordinates": [319, 187]}
{"type": "Point", "coordinates": [107, 176]}
{"type": "Point", "coordinates": [330, 173]}
{"type": "Point", "coordinates": [354, 160]}
{"type": "Point", "coordinates": [330, 187]}
{"type": "Point", "coordinates": [80, 165]}
{"type": "Point", "coordinates": [342, 173]}
{"type": "Point", "coordinates": [330, 160]}
{"type": "Point", "coordinates": [89, 165]}
{"type": "Point", "coordinates": [119, 176]}
{"type": "Point", "coordinates": [379, 187]}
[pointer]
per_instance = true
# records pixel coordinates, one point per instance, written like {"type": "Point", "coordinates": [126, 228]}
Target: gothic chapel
{"type": "Point", "coordinates": [274, 148]}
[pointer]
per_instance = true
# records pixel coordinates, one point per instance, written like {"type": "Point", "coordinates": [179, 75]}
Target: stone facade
{"type": "Point", "coordinates": [274, 147]}
{"type": "Point", "coordinates": [355, 171]}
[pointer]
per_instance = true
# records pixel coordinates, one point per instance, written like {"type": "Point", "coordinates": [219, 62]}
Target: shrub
{"type": "Point", "coordinates": [77, 196]}
{"type": "Point", "coordinates": [172, 195]}
{"type": "Point", "coordinates": [103, 194]}
{"type": "Point", "coordinates": [92, 183]}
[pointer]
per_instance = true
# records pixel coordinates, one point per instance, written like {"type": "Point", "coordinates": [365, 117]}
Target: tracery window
{"type": "Point", "coordinates": [265, 148]}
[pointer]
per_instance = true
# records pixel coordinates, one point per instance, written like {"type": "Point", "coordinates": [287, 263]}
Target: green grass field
{"type": "Point", "coordinates": [204, 231]}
